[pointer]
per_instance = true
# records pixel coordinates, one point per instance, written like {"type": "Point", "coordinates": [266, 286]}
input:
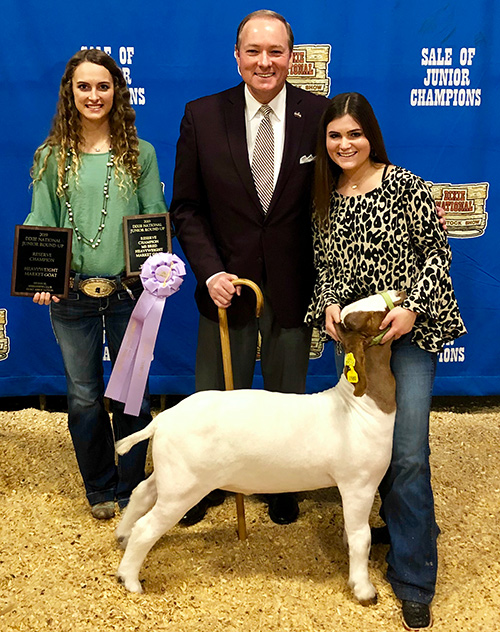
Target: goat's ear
{"type": "Point", "coordinates": [354, 362]}
{"type": "Point", "coordinates": [401, 298]}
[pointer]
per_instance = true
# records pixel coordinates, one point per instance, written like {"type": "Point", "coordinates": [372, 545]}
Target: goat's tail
{"type": "Point", "coordinates": [125, 444]}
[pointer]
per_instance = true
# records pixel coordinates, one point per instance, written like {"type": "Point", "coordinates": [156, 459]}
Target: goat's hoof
{"type": "Point", "coordinates": [133, 586]}
{"type": "Point", "coordinates": [369, 602]}
{"type": "Point", "coordinates": [365, 593]}
{"type": "Point", "coordinates": [122, 541]}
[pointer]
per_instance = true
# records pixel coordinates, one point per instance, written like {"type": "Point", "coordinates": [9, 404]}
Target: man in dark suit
{"type": "Point", "coordinates": [231, 224]}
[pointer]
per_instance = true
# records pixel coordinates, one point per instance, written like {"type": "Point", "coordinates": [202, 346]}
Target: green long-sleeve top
{"type": "Point", "coordinates": [86, 198]}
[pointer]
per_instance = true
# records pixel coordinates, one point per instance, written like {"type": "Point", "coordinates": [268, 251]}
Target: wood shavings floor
{"type": "Point", "coordinates": [57, 563]}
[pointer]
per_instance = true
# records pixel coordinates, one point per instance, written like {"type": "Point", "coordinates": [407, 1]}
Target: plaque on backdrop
{"type": "Point", "coordinates": [145, 235]}
{"type": "Point", "coordinates": [42, 259]}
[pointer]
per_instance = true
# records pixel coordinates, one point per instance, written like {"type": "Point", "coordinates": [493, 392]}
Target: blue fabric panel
{"type": "Point", "coordinates": [429, 68]}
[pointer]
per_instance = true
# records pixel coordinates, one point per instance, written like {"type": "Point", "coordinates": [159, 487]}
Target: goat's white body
{"type": "Point", "coordinates": [260, 442]}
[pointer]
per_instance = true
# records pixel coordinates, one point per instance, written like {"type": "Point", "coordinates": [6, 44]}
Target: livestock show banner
{"type": "Point", "coordinates": [430, 69]}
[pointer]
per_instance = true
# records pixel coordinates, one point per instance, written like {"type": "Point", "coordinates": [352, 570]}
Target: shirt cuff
{"type": "Point", "coordinates": [213, 276]}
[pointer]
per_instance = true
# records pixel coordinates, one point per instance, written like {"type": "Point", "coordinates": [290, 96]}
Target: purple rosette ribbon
{"type": "Point", "coordinates": [161, 276]}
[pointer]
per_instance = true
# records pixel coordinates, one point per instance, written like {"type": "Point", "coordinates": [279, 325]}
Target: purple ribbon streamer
{"type": "Point", "coordinates": [161, 277]}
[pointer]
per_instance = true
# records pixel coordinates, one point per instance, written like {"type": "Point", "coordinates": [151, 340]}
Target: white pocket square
{"type": "Point", "coordinates": [304, 159]}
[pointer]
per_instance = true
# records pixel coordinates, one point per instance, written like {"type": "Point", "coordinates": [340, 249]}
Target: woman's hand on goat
{"type": "Point", "coordinates": [332, 316]}
{"type": "Point", "coordinates": [401, 322]}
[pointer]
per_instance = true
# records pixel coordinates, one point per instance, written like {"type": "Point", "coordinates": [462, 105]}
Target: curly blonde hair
{"type": "Point", "coordinates": [66, 137]}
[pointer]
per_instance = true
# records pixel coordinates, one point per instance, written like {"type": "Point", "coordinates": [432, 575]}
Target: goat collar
{"type": "Point", "coordinates": [390, 305]}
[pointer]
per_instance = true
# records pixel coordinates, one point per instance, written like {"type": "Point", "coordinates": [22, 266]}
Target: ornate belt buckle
{"type": "Point", "coordinates": [98, 288]}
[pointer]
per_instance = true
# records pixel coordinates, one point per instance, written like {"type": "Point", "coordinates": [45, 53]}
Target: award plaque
{"type": "Point", "coordinates": [42, 259]}
{"type": "Point", "coordinates": [145, 235]}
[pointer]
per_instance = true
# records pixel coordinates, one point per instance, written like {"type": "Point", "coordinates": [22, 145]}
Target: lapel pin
{"type": "Point", "coordinates": [297, 114]}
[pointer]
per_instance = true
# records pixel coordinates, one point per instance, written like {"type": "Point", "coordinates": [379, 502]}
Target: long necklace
{"type": "Point", "coordinates": [93, 243]}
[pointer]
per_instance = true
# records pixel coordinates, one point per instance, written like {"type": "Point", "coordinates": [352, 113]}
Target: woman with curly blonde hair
{"type": "Point", "coordinates": [90, 173]}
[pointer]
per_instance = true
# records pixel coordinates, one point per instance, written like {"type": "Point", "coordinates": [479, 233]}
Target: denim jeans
{"type": "Point", "coordinates": [78, 326]}
{"type": "Point", "coordinates": [406, 492]}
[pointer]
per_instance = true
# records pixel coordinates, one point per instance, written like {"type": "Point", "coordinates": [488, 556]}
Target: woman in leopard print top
{"type": "Point", "coordinates": [375, 228]}
{"type": "Point", "coordinates": [388, 238]}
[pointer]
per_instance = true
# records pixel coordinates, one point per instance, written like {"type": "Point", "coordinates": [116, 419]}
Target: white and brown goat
{"type": "Point", "coordinates": [252, 441]}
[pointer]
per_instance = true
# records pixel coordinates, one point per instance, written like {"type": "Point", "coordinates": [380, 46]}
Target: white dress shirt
{"type": "Point", "coordinates": [253, 118]}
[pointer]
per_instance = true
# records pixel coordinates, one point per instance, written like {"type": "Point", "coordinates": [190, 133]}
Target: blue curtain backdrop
{"type": "Point", "coordinates": [430, 69]}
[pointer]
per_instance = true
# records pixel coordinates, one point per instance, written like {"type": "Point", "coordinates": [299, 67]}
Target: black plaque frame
{"type": "Point", "coordinates": [145, 235]}
{"type": "Point", "coordinates": [42, 260]}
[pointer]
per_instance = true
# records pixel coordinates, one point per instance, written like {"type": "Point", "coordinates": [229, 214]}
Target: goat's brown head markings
{"type": "Point", "coordinates": [356, 332]}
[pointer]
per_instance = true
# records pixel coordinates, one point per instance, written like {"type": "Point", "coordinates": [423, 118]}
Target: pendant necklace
{"type": "Point", "coordinates": [352, 186]}
{"type": "Point", "coordinates": [98, 149]}
{"type": "Point", "coordinates": [93, 243]}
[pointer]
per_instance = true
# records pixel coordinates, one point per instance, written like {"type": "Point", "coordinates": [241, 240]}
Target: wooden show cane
{"type": "Point", "coordinates": [228, 379]}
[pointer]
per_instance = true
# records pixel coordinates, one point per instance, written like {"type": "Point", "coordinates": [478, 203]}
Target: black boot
{"type": "Point", "coordinates": [283, 508]}
{"type": "Point", "coordinates": [416, 616]}
{"type": "Point", "coordinates": [198, 512]}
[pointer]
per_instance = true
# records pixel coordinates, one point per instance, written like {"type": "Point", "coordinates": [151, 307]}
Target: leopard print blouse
{"type": "Point", "coordinates": [388, 239]}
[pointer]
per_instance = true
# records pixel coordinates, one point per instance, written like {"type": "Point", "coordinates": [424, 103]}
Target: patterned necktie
{"type": "Point", "coordinates": [263, 159]}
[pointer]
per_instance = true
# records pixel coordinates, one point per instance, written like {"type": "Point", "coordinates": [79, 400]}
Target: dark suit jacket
{"type": "Point", "coordinates": [217, 215]}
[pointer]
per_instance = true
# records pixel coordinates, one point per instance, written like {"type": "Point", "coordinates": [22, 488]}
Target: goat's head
{"type": "Point", "coordinates": [360, 324]}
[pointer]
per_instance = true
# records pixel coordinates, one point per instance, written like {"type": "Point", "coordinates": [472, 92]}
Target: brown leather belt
{"type": "Point", "coordinates": [100, 287]}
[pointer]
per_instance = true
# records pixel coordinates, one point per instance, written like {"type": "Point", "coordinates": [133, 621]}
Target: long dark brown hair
{"type": "Point", "coordinates": [326, 173]}
{"type": "Point", "coordinates": [66, 132]}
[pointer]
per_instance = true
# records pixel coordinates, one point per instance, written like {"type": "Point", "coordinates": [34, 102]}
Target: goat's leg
{"type": "Point", "coordinates": [167, 512]}
{"type": "Point", "coordinates": [142, 500]}
{"type": "Point", "coordinates": [356, 508]}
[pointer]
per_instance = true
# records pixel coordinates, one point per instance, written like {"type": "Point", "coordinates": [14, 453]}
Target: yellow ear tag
{"type": "Point", "coordinates": [350, 361]}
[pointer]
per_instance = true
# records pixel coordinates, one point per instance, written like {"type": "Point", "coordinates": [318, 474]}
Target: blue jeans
{"type": "Point", "coordinates": [406, 492]}
{"type": "Point", "coordinates": [78, 326]}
